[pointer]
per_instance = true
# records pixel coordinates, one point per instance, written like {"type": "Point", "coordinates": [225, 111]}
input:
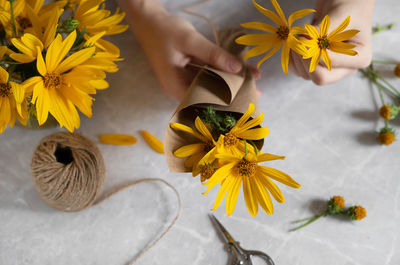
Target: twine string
{"type": "Point", "coordinates": [68, 172]}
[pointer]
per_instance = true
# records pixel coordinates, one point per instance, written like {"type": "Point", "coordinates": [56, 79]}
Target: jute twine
{"type": "Point", "coordinates": [68, 173]}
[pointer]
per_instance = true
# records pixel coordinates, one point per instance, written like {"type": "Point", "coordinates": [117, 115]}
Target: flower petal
{"type": "Point", "coordinates": [272, 187]}
{"type": "Point", "coordinates": [315, 60]}
{"type": "Point", "coordinates": [345, 35]}
{"type": "Point", "coordinates": [340, 28]}
{"type": "Point", "coordinates": [189, 150]}
{"type": "Point", "coordinates": [260, 26]}
{"type": "Point", "coordinates": [184, 128]}
{"type": "Point", "coordinates": [312, 31]}
{"type": "Point", "coordinates": [326, 59]}
{"type": "Point", "coordinates": [153, 142]}
{"type": "Point", "coordinates": [285, 57]}
{"type": "Point", "coordinates": [117, 139]}
{"type": "Point", "coordinates": [3, 75]}
{"type": "Point", "coordinates": [277, 45]}
{"type": "Point", "coordinates": [279, 176]}
{"type": "Point", "coordinates": [268, 157]}
{"type": "Point", "coordinates": [256, 39]}
{"type": "Point", "coordinates": [245, 116]}
{"type": "Point", "coordinates": [218, 176]}
{"type": "Point", "coordinates": [254, 134]}
{"type": "Point", "coordinates": [299, 14]}
{"type": "Point", "coordinates": [202, 128]}
{"type": "Point", "coordinates": [279, 11]}
{"type": "Point", "coordinates": [268, 13]}
{"type": "Point", "coordinates": [75, 59]}
{"type": "Point", "coordinates": [233, 194]}
{"type": "Point", "coordinates": [325, 25]}
{"type": "Point", "coordinates": [262, 196]}
{"type": "Point", "coordinates": [344, 48]}
{"type": "Point", "coordinates": [227, 185]}
{"type": "Point", "coordinates": [250, 197]}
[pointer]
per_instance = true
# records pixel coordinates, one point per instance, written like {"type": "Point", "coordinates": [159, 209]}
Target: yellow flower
{"type": "Point", "coordinates": [56, 90]}
{"type": "Point", "coordinates": [338, 201]}
{"type": "Point", "coordinates": [195, 152]}
{"type": "Point", "coordinates": [95, 20]}
{"type": "Point", "coordinates": [5, 17]}
{"type": "Point", "coordinates": [282, 35]}
{"type": "Point", "coordinates": [359, 213]}
{"type": "Point", "coordinates": [256, 181]}
{"type": "Point", "coordinates": [322, 41]}
{"type": "Point", "coordinates": [11, 98]}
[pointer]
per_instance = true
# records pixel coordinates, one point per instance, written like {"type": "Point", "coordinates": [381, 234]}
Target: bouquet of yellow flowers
{"type": "Point", "coordinates": [53, 58]}
{"type": "Point", "coordinates": [216, 133]}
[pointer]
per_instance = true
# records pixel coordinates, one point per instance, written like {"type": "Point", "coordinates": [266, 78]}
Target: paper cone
{"type": "Point", "coordinates": [211, 87]}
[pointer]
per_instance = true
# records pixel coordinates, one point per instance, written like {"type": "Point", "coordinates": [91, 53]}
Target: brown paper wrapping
{"type": "Point", "coordinates": [211, 87]}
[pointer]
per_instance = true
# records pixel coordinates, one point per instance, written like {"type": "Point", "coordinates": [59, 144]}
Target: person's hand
{"type": "Point", "coordinates": [360, 12]}
{"type": "Point", "coordinates": [171, 43]}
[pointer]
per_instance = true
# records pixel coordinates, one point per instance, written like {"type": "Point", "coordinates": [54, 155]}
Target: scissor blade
{"type": "Point", "coordinates": [228, 238]}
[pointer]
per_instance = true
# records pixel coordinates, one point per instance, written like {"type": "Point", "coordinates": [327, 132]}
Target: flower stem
{"type": "Point", "coordinates": [384, 62]}
{"type": "Point", "coordinates": [388, 84]}
{"type": "Point", "coordinates": [378, 85]}
{"type": "Point", "coordinates": [313, 219]}
{"type": "Point", "coordinates": [12, 18]}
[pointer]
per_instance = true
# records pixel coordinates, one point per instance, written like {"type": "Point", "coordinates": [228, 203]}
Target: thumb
{"type": "Point", "coordinates": [209, 53]}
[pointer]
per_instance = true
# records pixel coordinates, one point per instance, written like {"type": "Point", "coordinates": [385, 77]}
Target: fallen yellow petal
{"type": "Point", "coordinates": [153, 142]}
{"type": "Point", "coordinates": [117, 139]}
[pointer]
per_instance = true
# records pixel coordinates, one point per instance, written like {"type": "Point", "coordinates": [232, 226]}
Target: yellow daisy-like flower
{"type": "Point", "coordinates": [321, 42]}
{"type": "Point", "coordinates": [94, 19]}
{"type": "Point", "coordinates": [232, 142]}
{"type": "Point", "coordinates": [11, 99]}
{"type": "Point", "coordinates": [276, 37]}
{"type": "Point", "coordinates": [256, 182]}
{"type": "Point", "coordinates": [195, 152]}
{"type": "Point", "coordinates": [56, 90]}
{"type": "Point", "coordinates": [5, 17]}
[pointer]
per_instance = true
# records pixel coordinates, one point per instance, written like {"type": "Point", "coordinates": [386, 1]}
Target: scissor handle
{"type": "Point", "coordinates": [261, 255]}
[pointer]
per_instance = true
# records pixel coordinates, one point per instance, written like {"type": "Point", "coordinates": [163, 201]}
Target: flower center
{"type": "Point", "coordinates": [52, 81]}
{"type": "Point", "coordinates": [206, 172]}
{"type": "Point", "coordinates": [230, 140]}
{"type": "Point", "coordinates": [283, 32]}
{"type": "Point", "coordinates": [323, 42]}
{"type": "Point", "coordinates": [5, 90]}
{"type": "Point", "coordinates": [24, 22]}
{"type": "Point", "coordinates": [246, 168]}
{"type": "Point", "coordinates": [208, 146]}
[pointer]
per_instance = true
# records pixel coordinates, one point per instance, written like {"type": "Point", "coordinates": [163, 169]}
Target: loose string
{"type": "Point", "coordinates": [133, 183]}
{"type": "Point", "coordinates": [190, 11]}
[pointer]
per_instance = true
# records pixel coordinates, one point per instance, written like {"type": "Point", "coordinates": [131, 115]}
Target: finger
{"type": "Point", "coordinates": [201, 48]}
{"type": "Point", "coordinates": [299, 65]}
{"type": "Point", "coordinates": [256, 72]}
{"type": "Point", "coordinates": [322, 76]}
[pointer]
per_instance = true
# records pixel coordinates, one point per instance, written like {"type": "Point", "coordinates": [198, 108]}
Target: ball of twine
{"type": "Point", "coordinates": [68, 171]}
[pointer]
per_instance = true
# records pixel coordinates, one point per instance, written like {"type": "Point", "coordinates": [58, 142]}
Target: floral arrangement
{"type": "Point", "coordinates": [53, 58]}
{"type": "Point", "coordinates": [306, 41]}
{"type": "Point", "coordinates": [227, 152]}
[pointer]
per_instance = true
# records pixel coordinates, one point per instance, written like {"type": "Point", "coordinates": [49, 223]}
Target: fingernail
{"type": "Point", "coordinates": [259, 92]}
{"type": "Point", "coordinates": [235, 65]}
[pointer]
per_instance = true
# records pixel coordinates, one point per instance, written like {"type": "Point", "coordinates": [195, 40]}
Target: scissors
{"type": "Point", "coordinates": [240, 256]}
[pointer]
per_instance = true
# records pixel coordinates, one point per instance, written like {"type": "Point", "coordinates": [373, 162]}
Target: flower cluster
{"type": "Point", "coordinates": [307, 41]}
{"type": "Point", "coordinates": [336, 206]}
{"type": "Point", "coordinates": [227, 152]}
{"type": "Point", "coordinates": [53, 58]}
{"type": "Point", "coordinates": [387, 112]}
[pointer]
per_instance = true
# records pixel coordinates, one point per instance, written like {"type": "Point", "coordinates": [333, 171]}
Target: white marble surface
{"type": "Point", "coordinates": [327, 134]}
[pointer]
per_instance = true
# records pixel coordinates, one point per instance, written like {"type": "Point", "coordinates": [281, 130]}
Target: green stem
{"type": "Point", "coordinates": [384, 62]}
{"type": "Point", "coordinates": [378, 85]}
{"type": "Point", "coordinates": [302, 220]}
{"type": "Point", "coordinates": [386, 89]}
{"type": "Point", "coordinates": [388, 84]}
{"type": "Point", "coordinates": [12, 18]}
{"type": "Point", "coordinates": [315, 218]}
